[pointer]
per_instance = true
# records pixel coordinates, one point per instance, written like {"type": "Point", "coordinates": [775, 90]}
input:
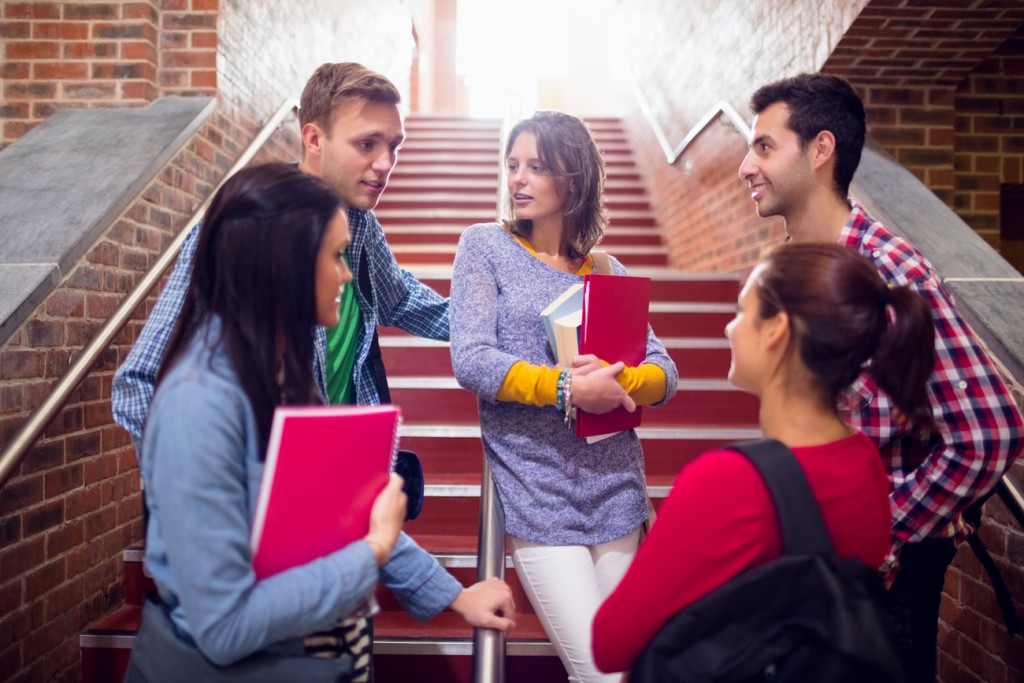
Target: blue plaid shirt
{"type": "Point", "coordinates": [399, 300]}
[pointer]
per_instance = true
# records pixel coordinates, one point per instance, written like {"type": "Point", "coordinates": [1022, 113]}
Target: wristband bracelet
{"type": "Point", "coordinates": [568, 397]}
{"type": "Point", "coordinates": [560, 391]}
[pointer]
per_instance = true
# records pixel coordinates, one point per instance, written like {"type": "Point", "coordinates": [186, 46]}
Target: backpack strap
{"type": "Point", "coordinates": [602, 262]}
{"type": "Point", "coordinates": [803, 529]}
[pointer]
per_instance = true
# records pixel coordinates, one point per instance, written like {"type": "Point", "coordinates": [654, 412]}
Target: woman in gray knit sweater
{"type": "Point", "coordinates": [573, 510]}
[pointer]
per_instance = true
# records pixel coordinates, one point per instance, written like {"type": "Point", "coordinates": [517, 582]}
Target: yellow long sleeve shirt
{"type": "Point", "coordinates": [537, 384]}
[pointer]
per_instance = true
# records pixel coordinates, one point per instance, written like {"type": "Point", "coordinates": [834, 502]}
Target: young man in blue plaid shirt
{"type": "Point", "coordinates": [351, 132]}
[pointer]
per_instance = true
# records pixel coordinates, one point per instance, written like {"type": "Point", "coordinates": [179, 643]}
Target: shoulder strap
{"type": "Point", "coordinates": [803, 529]}
{"type": "Point", "coordinates": [602, 263]}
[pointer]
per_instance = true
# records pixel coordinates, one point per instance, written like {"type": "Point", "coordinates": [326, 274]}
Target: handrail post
{"type": "Point", "coordinates": [489, 644]}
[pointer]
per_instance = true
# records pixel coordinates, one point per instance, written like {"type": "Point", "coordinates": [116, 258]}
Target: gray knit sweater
{"type": "Point", "coordinates": [555, 489]}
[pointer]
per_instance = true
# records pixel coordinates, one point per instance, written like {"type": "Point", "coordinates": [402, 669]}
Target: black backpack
{"type": "Point", "coordinates": [808, 616]}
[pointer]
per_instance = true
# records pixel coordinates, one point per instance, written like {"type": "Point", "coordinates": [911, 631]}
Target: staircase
{"type": "Point", "coordinates": [448, 179]}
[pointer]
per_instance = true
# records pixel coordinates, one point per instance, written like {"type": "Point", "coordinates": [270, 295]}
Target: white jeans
{"type": "Point", "coordinates": [566, 585]}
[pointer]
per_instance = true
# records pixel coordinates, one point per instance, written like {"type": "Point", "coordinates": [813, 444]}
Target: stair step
{"type": "Point", "coordinates": [106, 648]}
{"type": "Point", "coordinates": [423, 168]}
{"type": "Point", "coordinates": [408, 355]}
{"type": "Point", "coordinates": [443, 234]}
{"type": "Point", "coordinates": [630, 255]}
{"type": "Point", "coordinates": [459, 668]}
{"type": "Point", "coordinates": [665, 319]}
{"type": "Point", "coordinates": [489, 156]}
{"type": "Point", "coordinates": [137, 583]}
{"type": "Point", "coordinates": [488, 161]}
{"type": "Point", "coordinates": [451, 137]}
{"type": "Point", "coordinates": [621, 208]}
{"type": "Point", "coordinates": [454, 452]}
{"type": "Point", "coordinates": [458, 215]}
{"type": "Point", "coordinates": [667, 284]}
{"type": "Point", "coordinates": [402, 646]}
{"type": "Point", "coordinates": [466, 573]}
{"type": "Point", "coordinates": [484, 142]}
{"type": "Point", "coordinates": [453, 172]}
{"type": "Point", "coordinates": [449, 196]}
{"type": "Point", "coordinates": [697, 402]}
{"type": "Point", "coordinates": [451, 514]}
{"type": "Point", "coordinates": [437, 200]}
{"type": "Point", "coordinates": [392, 627]}
{"type": "Point", "coordinates": [400, 183]}
{"type": "Point", "coordinates": [419, 121]}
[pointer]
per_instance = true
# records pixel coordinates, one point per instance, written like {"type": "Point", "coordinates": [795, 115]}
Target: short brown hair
{"type": "Point", "coordinates": [332, 84]}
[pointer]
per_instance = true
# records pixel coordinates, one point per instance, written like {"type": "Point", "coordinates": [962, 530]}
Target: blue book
{"type": "Point", "coordinates": [569, 301]}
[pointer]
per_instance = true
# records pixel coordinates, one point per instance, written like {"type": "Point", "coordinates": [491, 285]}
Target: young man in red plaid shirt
{"type": "Point", "coordinates": [806, 144]}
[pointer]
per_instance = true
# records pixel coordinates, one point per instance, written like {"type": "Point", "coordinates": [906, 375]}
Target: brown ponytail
{"type": "Point", "coordinates": [906, 356]}
{"type": "Point", "coordinates": [839, 307]}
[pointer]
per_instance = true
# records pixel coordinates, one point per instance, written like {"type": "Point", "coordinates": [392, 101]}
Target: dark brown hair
{"type": "Point", "coordinates": [839, 306]}
{"type": "Point", "coordinates": [567, 148]}
{"type": "Point", "coordinates": [820, 102]}
{"type": "Point", "coordinates": [253, 278]}
{"type": "Point", "coordinates": [333, 84]}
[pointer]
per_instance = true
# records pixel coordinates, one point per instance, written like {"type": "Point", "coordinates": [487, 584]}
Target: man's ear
{"type": "Point", "coordinates": [312, 138]}
{"type": "Point", "coordinates": [823, 148]}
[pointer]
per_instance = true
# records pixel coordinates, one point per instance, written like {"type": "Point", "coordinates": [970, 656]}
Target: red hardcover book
{"type": "Point", "coordinates": [325, 466]}
{"type": "Point", "coordinates": [614, 328]}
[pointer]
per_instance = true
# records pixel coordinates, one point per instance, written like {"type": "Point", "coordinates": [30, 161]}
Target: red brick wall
{"type": "Point", "coordinates": [973, 644]}
{"type": "Point", "coordinates": [101, 53]}
{"type": "Point", "coordinates": [942, 87]}
{"type": "Point", "coordinates": [74, 503]}
{"type": "Point", "coordinates": [988, 139]}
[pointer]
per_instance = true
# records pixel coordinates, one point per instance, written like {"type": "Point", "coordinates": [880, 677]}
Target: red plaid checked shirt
{"type": "Point", "coordinates": [933, 477]}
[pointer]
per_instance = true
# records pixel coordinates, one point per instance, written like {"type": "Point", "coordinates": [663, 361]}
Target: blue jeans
{"type": "Point", "coordinates": [913, 605]}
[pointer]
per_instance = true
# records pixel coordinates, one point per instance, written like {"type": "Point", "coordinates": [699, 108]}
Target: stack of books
{"type": "Point", "coordinates": [607, 316]}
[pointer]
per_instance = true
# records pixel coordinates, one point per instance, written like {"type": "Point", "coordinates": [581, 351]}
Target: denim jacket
{"type": "Point", "coordinates": [202, 474]}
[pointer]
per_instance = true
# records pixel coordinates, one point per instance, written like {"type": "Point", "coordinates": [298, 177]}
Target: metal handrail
{"type": "Point", "coordinates": [1012, 498]}
{"type": "Point", "coordinates": [672, 154]}
{"type": "Point", "coordinates": [44, 413]}
{"type": "Point", "coordinates": [489, 644]}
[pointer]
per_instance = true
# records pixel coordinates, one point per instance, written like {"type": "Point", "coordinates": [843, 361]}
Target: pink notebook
{"type": "Point", "coordinates": [325, 466]}
{"type": "Point", "coordinates": [614, 328]}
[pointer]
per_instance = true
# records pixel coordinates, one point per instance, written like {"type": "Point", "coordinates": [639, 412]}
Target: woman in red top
{"type": "Point", "coordinates": [810, 316]}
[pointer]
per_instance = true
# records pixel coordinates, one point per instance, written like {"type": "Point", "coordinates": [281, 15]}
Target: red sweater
{"type": "Point", "coordinates": [719, 521]}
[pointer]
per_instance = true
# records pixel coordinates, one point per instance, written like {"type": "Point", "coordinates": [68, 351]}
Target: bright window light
{"type": "Point", "coordinates": [503, 48]}
{"type": "Point", "coordinates": [524, 39]}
